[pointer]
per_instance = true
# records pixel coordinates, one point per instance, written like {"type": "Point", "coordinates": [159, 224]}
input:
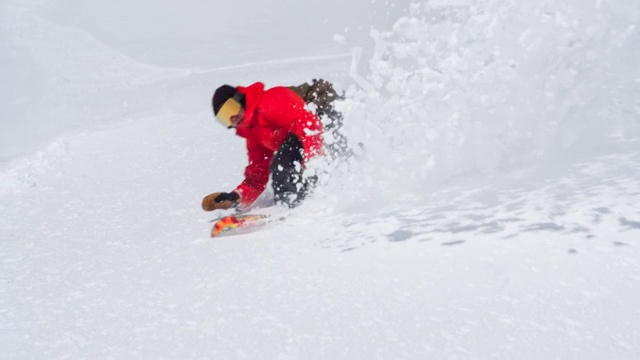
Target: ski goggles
{"type": "Point", "coordinates": [230, 108]}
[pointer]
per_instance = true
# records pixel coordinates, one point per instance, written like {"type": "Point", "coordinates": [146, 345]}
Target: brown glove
{"type": "Point", "coordinates": [220, 201]}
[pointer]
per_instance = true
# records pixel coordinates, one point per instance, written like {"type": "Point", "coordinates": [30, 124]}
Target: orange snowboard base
{"type": "Point", "coordinates": [229, 223]}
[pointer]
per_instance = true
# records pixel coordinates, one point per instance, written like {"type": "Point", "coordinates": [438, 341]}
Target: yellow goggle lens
{"type": "Point", "coordinates": [230, 108]}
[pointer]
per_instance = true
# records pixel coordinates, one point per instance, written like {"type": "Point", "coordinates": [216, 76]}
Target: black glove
{"type": "Point", "coordinates": [232, 196]}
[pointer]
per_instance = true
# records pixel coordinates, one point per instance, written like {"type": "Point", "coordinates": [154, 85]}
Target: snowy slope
{"type": "Point", "coordinates": [483, 217]}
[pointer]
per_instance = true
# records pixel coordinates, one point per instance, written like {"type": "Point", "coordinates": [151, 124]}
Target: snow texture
{"type": "Point", "coordinates": [491, 209]}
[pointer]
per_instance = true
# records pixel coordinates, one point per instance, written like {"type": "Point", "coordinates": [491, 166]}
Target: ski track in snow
{"type": "Point", "coordinates": [591, 200]}
{"type": "Point", "coordinates": [277, 62]}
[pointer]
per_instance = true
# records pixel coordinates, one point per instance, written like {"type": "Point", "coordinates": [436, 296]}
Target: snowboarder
{"type": "Point", "coordinates": [281, 136]}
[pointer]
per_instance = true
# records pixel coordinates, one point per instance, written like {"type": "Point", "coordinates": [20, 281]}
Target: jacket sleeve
{"type": "Point", "coordinates": [256, 174]}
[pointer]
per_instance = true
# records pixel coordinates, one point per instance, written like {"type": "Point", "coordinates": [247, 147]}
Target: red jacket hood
{"type": "Point", "coordinates": [253, 95]}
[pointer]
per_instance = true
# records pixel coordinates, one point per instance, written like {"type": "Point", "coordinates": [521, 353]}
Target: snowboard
{"type": "Point", "coordinates": [238, 224]}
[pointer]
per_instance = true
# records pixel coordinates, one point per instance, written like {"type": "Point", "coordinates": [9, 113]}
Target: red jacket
{"type": "Point", "coordinates": [270, 116]}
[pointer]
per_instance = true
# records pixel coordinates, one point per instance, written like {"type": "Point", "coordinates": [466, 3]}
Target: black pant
{"type": "Point", "coordinates": [289, 185]}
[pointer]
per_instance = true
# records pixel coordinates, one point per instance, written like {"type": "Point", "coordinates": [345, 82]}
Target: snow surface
{"type": "Point", "coordinates": [491, 211]}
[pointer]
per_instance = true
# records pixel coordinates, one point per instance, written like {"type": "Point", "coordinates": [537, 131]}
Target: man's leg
{"type": "Point", "coordinates": [289, 187]}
